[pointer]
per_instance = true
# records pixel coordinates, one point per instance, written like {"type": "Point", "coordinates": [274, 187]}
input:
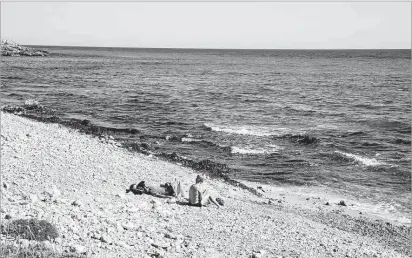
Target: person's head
{"type": "Point", "coordinates": [199, 179]}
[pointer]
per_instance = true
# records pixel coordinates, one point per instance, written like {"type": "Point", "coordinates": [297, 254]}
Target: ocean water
{"type": "Point", "coordinates": [334, 120]}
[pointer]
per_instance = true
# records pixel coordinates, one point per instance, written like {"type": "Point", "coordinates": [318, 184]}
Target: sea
{"type": "Point", "coordinates": [332, 122]}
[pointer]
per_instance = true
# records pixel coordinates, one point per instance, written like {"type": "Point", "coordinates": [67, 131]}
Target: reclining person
{"type": "Point", "coordinates": [169, 190]}
{"type": "Point", "coordinates": [142, 188]}
{"type": "Point", "coordinates": [199, 195]}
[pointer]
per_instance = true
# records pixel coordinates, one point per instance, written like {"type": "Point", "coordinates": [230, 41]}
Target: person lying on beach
{"type": "Point", "coordinates": [199, 194]}
{"type": "Point", "coordinates": [169, 190]}
{"type": "Point", "coordinates": [173, 189]}
{"type": "Point", "coordinates": [142, 188]}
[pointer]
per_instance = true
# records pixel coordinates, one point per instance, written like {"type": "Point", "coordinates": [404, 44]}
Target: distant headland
{"type": "Point", "coordinates": [10, 48]}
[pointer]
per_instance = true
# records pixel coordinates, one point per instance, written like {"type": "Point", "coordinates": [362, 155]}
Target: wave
{"type": "Point", "coordinates": [246, 130]}
{"type": "Point", "coordinates": [188, 139]}
{"type": "Point", "coordinates": [369, 162]}
{"type": "Point", "coordinates": [250, 151]}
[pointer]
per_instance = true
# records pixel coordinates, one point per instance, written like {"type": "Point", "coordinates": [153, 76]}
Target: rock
{"type": "Point", "coordinates": [5, 185]}
{"type": "Point", "coordinates": [54, 192]}
{"type": "Point", "coordinates": [144, 205]}
{"type": "Point", "coordinates": [122, 244]}
{"type": "Point", "coordinates": [33, 198]}
{"type": "Point", "coordinates": [119, 227]}
{"type": "Point", "coordinates": [46, 244]}
{"type": "Point", "coordinates": [2, 210]}
{"type": "Point", "coordinates": [157, 254]}
{"type": "Point", "coordinates": [342, 203]}
{"type": "Point", "coordinates": [58, 240]}
{"type": "Point", "coordinates": [258, 254]}
{"type": "Point", "coordinates": [8, 216]}
{"type": "Point", "coordinates": [9, 48]}
{"type": "Point", "coordinates": [77, 203]}
{"type": "Point", "coordinates": [121, 195]}
{"type": "Point", "coordinates": [171, 200]}
{"type": "Point", "coordinates": [79, 249]}
{"type": "Point", "coordinates": [129, 226]}
{"type": "Point", "coordinates": [106, 239]}
{"type": "Point", "coordinates": [24, 243]}
{"type": "Point", "coordinates": [159, 244]}
{"type": "Point", "coordinates": [96, 235]}
{"type": "Point", "coordinates": [171, 236]}
{"type": "Point", "coordinates": [327, 203]}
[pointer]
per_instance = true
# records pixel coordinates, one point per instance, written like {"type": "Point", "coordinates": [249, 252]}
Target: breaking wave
{"type": "Point", "coordinates": [369, 162]}
{"type": "Point", "coordinates": [257, 151]}
{"type": "Point", "coordinates": [246, 130]}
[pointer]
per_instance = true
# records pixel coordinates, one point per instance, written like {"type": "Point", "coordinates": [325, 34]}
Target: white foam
{"type": "Point", "coordinates": [188, 139]}
{"type": "Point", "coordinates": [237, 150]}
{"type": "Point", "coordinates": [364, 161]}
{"type": "Point", "coordinates": [247, 130]}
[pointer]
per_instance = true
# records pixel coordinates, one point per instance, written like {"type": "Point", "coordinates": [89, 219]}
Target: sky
{"type": "Point", "coordinates": [243, 25]}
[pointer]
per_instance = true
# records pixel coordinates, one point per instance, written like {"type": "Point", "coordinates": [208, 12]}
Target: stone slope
{"type": "Point", "coordinates": [78, 183]}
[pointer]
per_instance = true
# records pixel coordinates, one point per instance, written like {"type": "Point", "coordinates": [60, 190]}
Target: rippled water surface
{"type": "Point", "coordinates": [339, 120]}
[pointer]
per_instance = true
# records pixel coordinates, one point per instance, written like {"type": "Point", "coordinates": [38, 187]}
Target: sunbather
{"type": "Point", "coordinates": [199, 194]}
{"type": "Point", "coordinates": [141, 188]}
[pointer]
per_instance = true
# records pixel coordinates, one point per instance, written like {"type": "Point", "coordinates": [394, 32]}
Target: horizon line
{"type": "Point", "coordinates": [194, 48]}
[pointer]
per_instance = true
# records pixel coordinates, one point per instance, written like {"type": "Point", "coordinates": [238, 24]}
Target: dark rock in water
{"type": "Point", "coordinates": [145, 145]}
{"type": "Point", "coordinates": [327, 203]}
{"type": "Point", "coordinates": [86, 122]}
{"type": "Point", "coordinates": [7, 216]}
{"type": "Point", "coordinates": [300, 139]}
{"type": "Point", "coordinates": [212, 167]}
{"type": "Point", "coordinates": [306, 139]}
{"type": "Point", "coordinates": [134, 131]}
{"type": "Point", "coordinates": [402, 141]}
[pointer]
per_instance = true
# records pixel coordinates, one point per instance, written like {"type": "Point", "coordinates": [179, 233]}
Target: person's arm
{"type": "Point", "coordinates": [213, 201]}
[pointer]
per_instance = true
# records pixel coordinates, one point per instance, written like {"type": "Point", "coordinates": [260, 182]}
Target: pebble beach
{"type": "Point", "coordinates": [77, 182]}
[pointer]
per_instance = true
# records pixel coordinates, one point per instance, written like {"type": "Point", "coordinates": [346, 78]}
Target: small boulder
{"type": "Point", "coordinates": [121, 195]}
{"type": "Point", "coordinates": [79, 249]}
{"type": "Point", "coordinates": [342, 203]}
{"type": "Point", "coordinates": [24, 243]}
{"type": "Point", "coordinates": [129, 226]}
{"type": "Point", "coordinates": [33, 198]}
{"type": "Point", "coordinates": [171, 236]}
{"type": "Point", "coordinates": [106, 239]}
{"type": "Point", "coordinates": [77, 203]}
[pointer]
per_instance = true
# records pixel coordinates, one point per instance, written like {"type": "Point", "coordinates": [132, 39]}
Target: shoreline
{"type": "Point", "coordinates": [319, 195]}
{"type": "Point", "coordinates": [37, 157]}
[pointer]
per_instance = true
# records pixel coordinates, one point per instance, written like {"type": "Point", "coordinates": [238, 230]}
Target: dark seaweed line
{"type": "Point", "coordinates": [214, 169]}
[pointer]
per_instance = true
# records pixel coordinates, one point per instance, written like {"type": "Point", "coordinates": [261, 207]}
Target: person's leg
{"type": "Point", "coordinates": [205, 199]}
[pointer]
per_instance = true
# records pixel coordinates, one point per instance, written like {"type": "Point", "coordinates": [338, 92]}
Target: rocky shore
{"type": "Point", "coordinates": [77, 182]}
{"type": "Point", "coordinates": [9, 48]}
